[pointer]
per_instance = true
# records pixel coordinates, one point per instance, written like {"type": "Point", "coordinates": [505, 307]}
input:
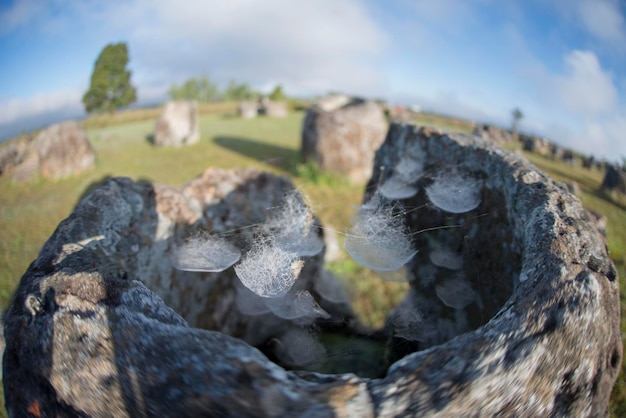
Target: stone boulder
{"type": "Point", "coordinates": [12, 153]}
{"type": "Point", "coordinates": [537, 333]}
{"type": "Point", "coordinates": [570, 158]}
{"type": "Point", "coordinates": [342, 137]}
{"type": "Point", "coordinates": [273, 109]}
{"type": "Point", "coordinates": [248, 110]}
{"type": "Point", "coordinates": [177, 125]}
{"type": "Point", "coordinates": [614, 179]}
{"type": "Point", "coordinates": [60, 150]}
{"type": "Point", "coordinates": [493, 133]}
{"type": "Point", "coordinates": [589, 162]}
{"type": "Point", "coordinates": [333, 102]}
{"type": "Point", "coordinates": [536, 144]}
{"type": "Point", "coordinates": [399, 114]}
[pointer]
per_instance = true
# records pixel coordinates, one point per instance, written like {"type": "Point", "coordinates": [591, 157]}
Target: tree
{"type": "Point", "coordinates": [277, 94]}
{"type": "Point", "coordinates": [110, 86]}
{"type": "Point", "coordinates": [200, 89]}
{"type": "Point", "coordinates": [517, 116]}
{"type": "Point", "coordinates": [236, 91]}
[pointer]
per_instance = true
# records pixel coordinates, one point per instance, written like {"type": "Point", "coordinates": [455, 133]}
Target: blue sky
{"type": "Point", "coordinates": [562, 62]}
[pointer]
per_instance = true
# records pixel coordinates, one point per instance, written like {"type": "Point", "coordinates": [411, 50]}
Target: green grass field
{"type": "Point", "coordinates": [30, 212]}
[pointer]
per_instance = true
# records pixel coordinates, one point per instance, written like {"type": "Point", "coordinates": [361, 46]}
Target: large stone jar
{"type": "Point", "coordinates": [341, 135]}
{"type": "Point", "coordinates": [534, 331]}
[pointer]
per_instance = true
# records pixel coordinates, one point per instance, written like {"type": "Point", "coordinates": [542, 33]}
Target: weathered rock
{"type": "Point", "coordinates": [343, 137]}
{"type": "Point", "coordinates": [399, 114]}
{"type": "Point", "coordinates": [531, 276]}
{"type": "Point", "coordinates": [538, 145]}
{"type": "Point", "coordinates": [273, 109]}
{"type": "Point", "coordinates": [572, 187]}
{"type": "Point", "coordinates": [85, 338]}
{"type": "Point", "coordinates": [600, 221]}
{"type": "Point", "coordinates": [614, 179]}
{"type": "Point", "coordinates": [95, 269]}
{"type": "Point", "coordinates": [177, 125]}
{"type": "Point", "coordinates": [248, 110]}
{"type": "Point", "coordinates": [556, 151]}
{"type": "Point", "coordinates": [59, 151]}
{"type": "Point", "coordinates": [589, 162]}
{"type": "Point", "coordinates": [333, 102]}
{"type": "Point", "coordinates": [9, 155]}
{"type": "Point", "coordinates": [493, 133]}
{"type": "Point", "coordinates": [2, 342]}
{"type": "Point", "coordinates": [569, 157]}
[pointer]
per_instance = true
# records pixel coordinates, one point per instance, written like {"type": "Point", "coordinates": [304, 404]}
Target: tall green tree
{"type": "Point", "coordinates": [110, 86]}
{"type": "Point", "coordinates": [200, 89]}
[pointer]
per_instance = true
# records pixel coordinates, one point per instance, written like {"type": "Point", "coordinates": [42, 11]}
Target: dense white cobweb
{"type": "Point", "coordinates": [205, 253]}
{"type": "Point", "coordinates": [454, 192]}
{"type": "Point", "coordinates": [406, 320]}
{"type": "Point", "coordinates": [446, 258]}
{"type": "Point", "coordinates": [298, 348]}
{"type": "Point", "coordinates": [295, 305]}
{"type": "Point", "coordinates": [401, 183]}
{"type": "Point", "coordinates": [397, 188]}
{"type": "Point", "coordinates": [378, 239]}
{"type": "Point", "coordinates": [268, 270]}
{"type": "Point", "coordinates": [291, 227]}
{"type": "Point", "coordinates": [455, 293]}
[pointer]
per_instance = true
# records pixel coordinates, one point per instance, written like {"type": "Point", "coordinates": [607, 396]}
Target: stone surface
{"type": "Point", "coordinates": [177, 125]}
{"type": "Point", "coordinates": [273, 109]}
{"type": "Point", "coordinates": [86, 337]}
{"type": "Point", "coordinates": [614, 179]}
{"type": "Point", "coordinates": [248, 110]}
{"type": "Point", "coordinates": [540, 335]}
{"type": "Point", "coordinates": [493, 133]}
{"type": "Point", "coordinates": [9, 154]}
{"type": "Point", "coordinates": [342, 136]}
{"type": "Point", "coordinates": [399, 114]}
{"type": "Point", "coordinates": [61, 150]}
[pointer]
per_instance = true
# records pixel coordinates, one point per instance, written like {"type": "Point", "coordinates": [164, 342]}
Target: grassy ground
{"type": "Point", "coordinates": [30, 212]}
{"type": "Point", "coordinates": [443, 122]}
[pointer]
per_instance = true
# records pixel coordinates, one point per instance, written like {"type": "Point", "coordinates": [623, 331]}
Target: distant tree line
{"type": "Point", "coordinates": [110, 87]}
{"type": "Point", "coordinates": [204, 90]}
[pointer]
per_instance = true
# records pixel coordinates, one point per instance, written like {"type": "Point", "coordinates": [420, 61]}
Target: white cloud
{"type": "Point", "coordinates": [603, 19]}
{"type": "Point", "coordinates": [586, 88]}
{"type": "Point", "coordinates": [20, 13]}
{"type": "Point", "coordinates": [306, 45]}
{"type": "Point", "coordinates": [442, 11]}
{"type": "Point", "coordinates": [14, 109]}
{"type": "Point", "coordinates": [602, 138]}
{"type": "Point", "coordinates": [579, 107]}
{"type": "Point", "coordinates": [34, 112]}
{"type": "Point", "coordinates": [314, 46]}
{"type": "Point", "coordinates": [46, 17]}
